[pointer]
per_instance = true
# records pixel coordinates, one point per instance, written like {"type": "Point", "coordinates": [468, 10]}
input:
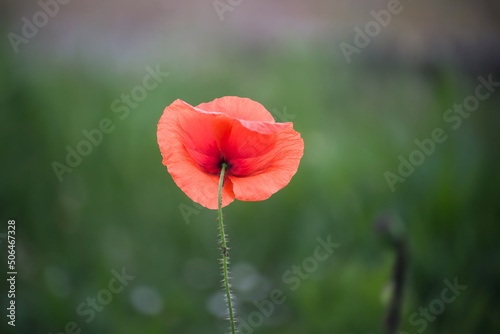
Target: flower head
{"type": "Point", "coordinates": [261, 155]}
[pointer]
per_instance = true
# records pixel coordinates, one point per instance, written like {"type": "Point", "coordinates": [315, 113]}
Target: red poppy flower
{"type": "Point", "coordinates": [261, 155]}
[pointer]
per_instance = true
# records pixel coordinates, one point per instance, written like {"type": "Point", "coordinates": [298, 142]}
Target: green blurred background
{"type": "Point", "coordinates": [119, 208]}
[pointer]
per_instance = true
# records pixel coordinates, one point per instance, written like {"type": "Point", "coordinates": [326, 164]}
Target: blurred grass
{"type": "Point", "coordinates": [120, 208]}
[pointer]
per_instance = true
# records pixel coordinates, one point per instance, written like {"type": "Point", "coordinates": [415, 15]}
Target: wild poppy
{"type": "Point", "coordinates": [261, 155]}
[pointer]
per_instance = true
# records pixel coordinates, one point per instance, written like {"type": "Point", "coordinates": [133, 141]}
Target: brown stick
{"type": "Point", "coordinates": [393, 316]}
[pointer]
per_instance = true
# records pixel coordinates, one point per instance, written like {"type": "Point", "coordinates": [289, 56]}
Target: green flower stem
{"type": "Point", "coordinates": [225, 253]}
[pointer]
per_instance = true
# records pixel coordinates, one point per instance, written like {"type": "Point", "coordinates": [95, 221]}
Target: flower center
{"type": "Point", "coordinates": [224, 161]}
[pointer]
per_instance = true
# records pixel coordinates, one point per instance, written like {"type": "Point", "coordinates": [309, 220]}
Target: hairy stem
{"type": "Point", "coordinates": [225, 253]}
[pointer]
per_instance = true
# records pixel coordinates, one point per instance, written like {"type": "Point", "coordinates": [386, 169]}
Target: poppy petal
{"type": "Point", "coordinates": [245, 145]}
{"type": "Point", "coordinates": [238, 107]}
{"type": "Point", "coordinates": [191, 154]}
{"type": "Point", "coordinates": [282, 163]}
